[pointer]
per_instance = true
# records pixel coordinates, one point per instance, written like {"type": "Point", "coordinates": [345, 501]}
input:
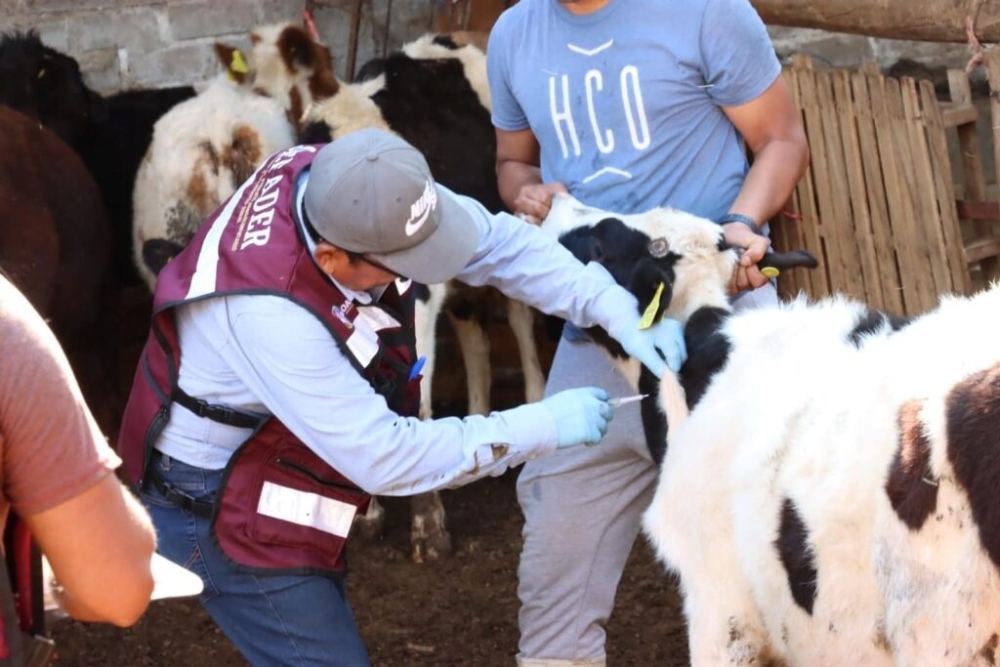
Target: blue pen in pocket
{"type": "Point", "coordinates": [415, 371]}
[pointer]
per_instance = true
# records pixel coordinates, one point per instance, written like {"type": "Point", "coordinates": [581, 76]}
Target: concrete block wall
{"type": "Point", "coordinates": [123, 44]}
{"type": "Point", "coordinates": [155, 43]}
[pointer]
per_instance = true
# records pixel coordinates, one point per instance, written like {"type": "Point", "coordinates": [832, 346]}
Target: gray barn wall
{"type": "Point", "coordinates": [142, 43]}
{"type": "Point", "coordinates": [138, 43]}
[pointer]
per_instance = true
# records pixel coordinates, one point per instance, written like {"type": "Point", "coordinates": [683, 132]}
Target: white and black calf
{"type": "Point", "coordinates": [832, 497]}
{"type": "Point", "coordinates": [434, 94]}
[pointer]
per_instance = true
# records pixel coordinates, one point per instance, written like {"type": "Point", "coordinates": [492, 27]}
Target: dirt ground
{"type": "Point", "coordinates": [462, 611]}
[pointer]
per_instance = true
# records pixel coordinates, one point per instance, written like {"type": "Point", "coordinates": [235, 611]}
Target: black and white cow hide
{"type": "Point", "coordinates": [831, 495]}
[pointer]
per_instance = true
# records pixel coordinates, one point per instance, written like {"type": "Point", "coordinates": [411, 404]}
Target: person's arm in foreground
{"type": "Point", "coordinates": [100, 545]}
{"type": "Point", "coordinates": [520, 179]}
{"type": "Point", "coordinates": [58, 476]}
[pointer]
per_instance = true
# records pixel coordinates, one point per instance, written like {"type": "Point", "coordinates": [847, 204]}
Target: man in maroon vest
{"type": "Point", "coordinates": [279, 384]}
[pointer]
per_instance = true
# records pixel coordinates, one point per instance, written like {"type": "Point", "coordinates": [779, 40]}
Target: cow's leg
{"type": "Point", "coordinates": [522, 320]}
{"type": "Point", "coordinates": [475, 345]}
{"type": "Point", "coordinates": [690, 525]}
{"type": "Point", "coordinates": [369, 525]}
{"type": "Point", "coordinates": [429, 536]}
{"type": "Point", "coordinates": [425, 317]}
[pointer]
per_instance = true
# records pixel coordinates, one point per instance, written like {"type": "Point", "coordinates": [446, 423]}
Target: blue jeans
{"type": "Point", "coordinates": [272, 620]}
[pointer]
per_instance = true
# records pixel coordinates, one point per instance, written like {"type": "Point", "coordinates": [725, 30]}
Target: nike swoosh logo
{"type": "Point", "coordinates": [413, 226]}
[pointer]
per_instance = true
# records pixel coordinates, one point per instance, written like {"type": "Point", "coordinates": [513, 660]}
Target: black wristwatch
{"type": "Point", "coordinates": [739, 217]}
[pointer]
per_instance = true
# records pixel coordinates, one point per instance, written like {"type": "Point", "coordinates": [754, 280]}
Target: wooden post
{"type": "Point", "coordinates": [973, 174]}
{"type": "Point", "coordinates": [926, 20]}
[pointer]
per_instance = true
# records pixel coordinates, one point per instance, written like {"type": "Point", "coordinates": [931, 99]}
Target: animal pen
{"type": "Point", "coordinates": [895, 201]}
{"type": "Point", "coordinates": [893, 221]}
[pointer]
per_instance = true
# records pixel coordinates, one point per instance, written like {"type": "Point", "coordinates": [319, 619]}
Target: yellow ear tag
{"type": "Point", "coordinates": [770, 272]}
{"type": "Point", "coordinates": [238, 64]}
{"type": "Point", "coordinates": [650, 314]}
{"type": "Point", "coordinates": [41, 73]}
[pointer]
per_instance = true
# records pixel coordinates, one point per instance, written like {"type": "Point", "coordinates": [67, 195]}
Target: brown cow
{"type": "Point", "coordinates": [54, 236]}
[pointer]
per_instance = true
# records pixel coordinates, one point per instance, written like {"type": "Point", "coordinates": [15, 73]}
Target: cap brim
{"type": "Point", "coordinates": [443, 254]}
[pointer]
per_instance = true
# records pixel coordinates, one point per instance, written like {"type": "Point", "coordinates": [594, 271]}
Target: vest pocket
{"type": "Point", "coordinates": [298, 507]}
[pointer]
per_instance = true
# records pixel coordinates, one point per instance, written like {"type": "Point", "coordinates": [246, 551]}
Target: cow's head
{"type": "Point", "coordinates": [682, 252]}
{"type": "Point", "coordinates": [42, 83]}
{"type": "Point", "coordinates": [288, 63]}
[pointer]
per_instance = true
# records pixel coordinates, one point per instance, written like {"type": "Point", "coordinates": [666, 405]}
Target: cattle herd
{"type": "Point", "coordinates": [831, 489]}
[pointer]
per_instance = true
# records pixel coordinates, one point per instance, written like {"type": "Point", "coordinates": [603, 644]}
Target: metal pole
{"type": "Point", "coordinates": [385, 35]}
{"type": "Point", "coordinates": [352, 41]}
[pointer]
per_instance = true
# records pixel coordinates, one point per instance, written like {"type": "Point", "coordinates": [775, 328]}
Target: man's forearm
{"type": "Point", "coordinates": [776, 170]}
{"type": "Point", "coordinates": [512, 176]}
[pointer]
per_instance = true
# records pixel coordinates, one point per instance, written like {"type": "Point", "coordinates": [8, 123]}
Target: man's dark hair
{"type": "Point", "coordinates": [352, 257]}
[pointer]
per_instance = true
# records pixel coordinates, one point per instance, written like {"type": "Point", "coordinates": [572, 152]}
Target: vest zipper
{"type": "Point", "coordinates": [316, 478]}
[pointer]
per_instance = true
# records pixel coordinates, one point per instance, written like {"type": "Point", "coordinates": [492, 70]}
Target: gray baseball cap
{"type": "Point", "coordinates": [371, 192]}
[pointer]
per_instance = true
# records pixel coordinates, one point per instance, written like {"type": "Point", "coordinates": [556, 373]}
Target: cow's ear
{"type": "Point", "coordinates": [296, 47]}
{"type": "Point", "coordinates": [580, 242]}
{"type": "Point", "coordinates": [647, 277]}
{"type": "Point", "coordinates": [233, 61]}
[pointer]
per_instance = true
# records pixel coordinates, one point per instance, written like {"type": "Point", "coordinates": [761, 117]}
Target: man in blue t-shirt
{"type": "Point", "coordinates": [628, 105]}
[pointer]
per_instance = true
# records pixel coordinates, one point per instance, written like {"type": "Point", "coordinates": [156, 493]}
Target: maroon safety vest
{"type": "Point", "coordinates": [274, 486]}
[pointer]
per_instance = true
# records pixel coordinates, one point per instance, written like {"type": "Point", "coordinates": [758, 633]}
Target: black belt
{"type": "Point", "coordinates": [217, 413]}
{"type": "Point", "coordinates": [178, 498]}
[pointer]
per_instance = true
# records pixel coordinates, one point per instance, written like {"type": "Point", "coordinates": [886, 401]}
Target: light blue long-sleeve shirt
{"type": "Point", "coordinates": [269, 355]}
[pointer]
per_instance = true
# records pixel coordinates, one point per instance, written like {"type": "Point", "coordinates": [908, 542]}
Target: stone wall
{"type": "Point", "coordinates": [143, 43]}
{"type": "Point", "coordinates": [849, 51]}
{"type": "Point", "coordinates": [138, 43]}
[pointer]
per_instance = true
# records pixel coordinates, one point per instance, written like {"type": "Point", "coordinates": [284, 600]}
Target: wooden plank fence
{"type": "Point", "coordinates": [878, 203]}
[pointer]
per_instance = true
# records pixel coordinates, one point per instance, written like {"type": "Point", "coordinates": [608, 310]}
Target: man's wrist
{"type": "Point", "coordinates": [743, 219]}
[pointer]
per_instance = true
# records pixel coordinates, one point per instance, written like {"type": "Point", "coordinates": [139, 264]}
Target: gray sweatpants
{"type": "Point", "coordinates": [582, 508]}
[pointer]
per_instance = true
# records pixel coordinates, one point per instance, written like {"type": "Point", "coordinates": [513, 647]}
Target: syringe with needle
{"type": "Point", "coordinates": [619, 401]}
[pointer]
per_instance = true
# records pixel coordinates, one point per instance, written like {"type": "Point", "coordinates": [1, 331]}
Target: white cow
{"type": "Point", "coordinates": [833, 495]}
{"type": "Point", "coordinates": [205, 147]}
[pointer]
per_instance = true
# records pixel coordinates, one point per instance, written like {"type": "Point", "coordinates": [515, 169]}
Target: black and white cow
{"type": "Point", "coordinates": [829, 495]}
{"type": "Point", "coordinates": [434, 94]}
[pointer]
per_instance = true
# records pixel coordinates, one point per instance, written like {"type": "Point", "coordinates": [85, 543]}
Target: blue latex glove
{"type": "Point", "coordinates": [657, 347]}
{"type": "Point", "coordinates": [581, 415]}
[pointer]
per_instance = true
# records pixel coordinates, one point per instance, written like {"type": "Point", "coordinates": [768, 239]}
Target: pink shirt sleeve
{"type": "Point", "coordinates": [50, 446]}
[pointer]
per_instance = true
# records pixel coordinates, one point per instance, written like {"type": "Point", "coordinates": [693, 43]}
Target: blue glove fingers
{"type": "Point", "coordinates": [581, 415]}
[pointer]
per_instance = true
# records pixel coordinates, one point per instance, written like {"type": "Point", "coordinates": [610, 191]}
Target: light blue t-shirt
{"type": "Point", "coordinates": [625, 101]}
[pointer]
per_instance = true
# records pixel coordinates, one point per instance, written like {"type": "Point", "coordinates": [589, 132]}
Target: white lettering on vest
{"type": "Point", "coordinates": [284, 157]}
{"type": "Point", "coordinates": [564, 116]}
{"type": "Point", "coordinates": [258, 231]}
{"type": "Point", "coordinates": [630, 89]}
{"type": "Point", "coordinates": [605, 142]}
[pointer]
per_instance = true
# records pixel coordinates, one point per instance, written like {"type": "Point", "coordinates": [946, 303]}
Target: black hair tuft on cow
{"type": "Point", "coordinates": [708, 350]}
{"type": "Point", "coordinates": [875, 322]}
{"type": "Point", "coordinates": [654, 422]}
{"type": "Point", "coordinates": [315, 133]}
{"type": "Point", "coordinates": [792, 545]}
{"type": "Point", "coordinates": [372, 69]}
{"type": "Point", "coordinates": [156, 253]}
{"type": "Point", "coordinates": [446, 41]}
